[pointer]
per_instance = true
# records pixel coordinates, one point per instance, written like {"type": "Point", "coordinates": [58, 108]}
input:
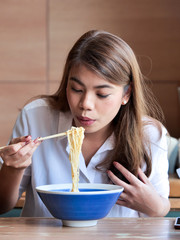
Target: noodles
{"type": "Point", "coordinates": [75, 138]}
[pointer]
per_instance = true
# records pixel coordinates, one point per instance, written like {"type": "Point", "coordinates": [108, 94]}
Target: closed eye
{"type": "Point", "coordinates": [76, 90]}
{"type": "Point", "coordinates": [103, 96]}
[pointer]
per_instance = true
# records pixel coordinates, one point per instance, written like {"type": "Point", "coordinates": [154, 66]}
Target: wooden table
{"type": "Point", "coordinates": [109, 228]}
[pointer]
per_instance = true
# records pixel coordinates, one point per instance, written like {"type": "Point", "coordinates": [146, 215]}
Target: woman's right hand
{"type": "Point", "coordinates": [19, 152]}
{"type": "Point", "coordinates": [16, 157]}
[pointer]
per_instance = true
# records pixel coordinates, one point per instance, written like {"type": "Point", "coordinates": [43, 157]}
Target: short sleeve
{"type": "Point", "coordinates": [21, 126]}
{"type": "Point", "coordinates": [160, 164]}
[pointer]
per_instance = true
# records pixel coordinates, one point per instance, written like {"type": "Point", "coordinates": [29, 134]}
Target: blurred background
{"type": "Point", "coordinates": [36, 35]}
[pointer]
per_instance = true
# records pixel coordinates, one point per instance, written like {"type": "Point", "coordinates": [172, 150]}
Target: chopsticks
{"type": "Point", "coordinates": [47, 137]}
{"type": "Point", "coordinates": [52, 136]}
{"type": "Point", "coordinates": [2, 147]}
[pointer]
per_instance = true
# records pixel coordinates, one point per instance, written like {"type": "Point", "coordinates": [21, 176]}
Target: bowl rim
{"type": "Point", "coordinates": [51, 189]}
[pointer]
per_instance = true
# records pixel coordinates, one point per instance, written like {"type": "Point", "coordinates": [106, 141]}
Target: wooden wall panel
{"type": "Point", "coordinates": [151, 27]}
{"type": "Point", "coordinates": [167, 96]}
{"type": "Point", "coordinates": [22, 40]}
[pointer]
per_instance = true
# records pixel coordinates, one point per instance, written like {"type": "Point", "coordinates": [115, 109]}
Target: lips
{"type": "Point", "coordinates": [85, 121]}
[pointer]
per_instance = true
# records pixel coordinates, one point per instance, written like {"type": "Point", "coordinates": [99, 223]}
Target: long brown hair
{"type": "Point", "coordinates": [113, 59]}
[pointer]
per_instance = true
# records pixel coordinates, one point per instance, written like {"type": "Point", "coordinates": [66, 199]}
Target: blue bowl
{"type": "Point", "coordinates": [79, 209]}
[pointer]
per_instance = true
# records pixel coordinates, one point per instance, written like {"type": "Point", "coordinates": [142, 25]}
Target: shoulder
{"type": "Point", "coordinates": [36, 114]}
{"type": "Point", "coordinates": [36, 104]}
{"type": "Point", "coordinates": [38, 108]}
{"type": "Point", "coordinates": [155, 133]}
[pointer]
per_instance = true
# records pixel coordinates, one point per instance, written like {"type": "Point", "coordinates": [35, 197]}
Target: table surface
{"type": "Point", "coordinates": [109, 228]}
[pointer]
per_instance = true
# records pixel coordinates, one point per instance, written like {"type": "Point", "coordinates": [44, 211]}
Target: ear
{"type": "Point", "coordinates": [126, 94]}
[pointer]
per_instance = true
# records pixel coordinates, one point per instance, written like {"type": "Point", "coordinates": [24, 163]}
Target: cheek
{"type": "Point", "coordinates": [112, 105]}
{"type": "Point", "coordinates": [110, 109]}
{"type": "Point", "coordinates": [72, 99]}
{"type": "Point", "coordinates": [69, 98]}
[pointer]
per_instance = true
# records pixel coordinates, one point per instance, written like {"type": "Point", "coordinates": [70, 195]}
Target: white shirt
{"type": "Point", "coordinates": [51, 165]}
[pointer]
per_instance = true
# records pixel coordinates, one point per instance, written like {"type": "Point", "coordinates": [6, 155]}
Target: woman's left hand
{"type": "Point", "coordinates": [139, 194]}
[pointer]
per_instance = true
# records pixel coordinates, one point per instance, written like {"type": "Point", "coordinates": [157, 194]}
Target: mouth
{"type": "Point", "coordinates": [85, 121]}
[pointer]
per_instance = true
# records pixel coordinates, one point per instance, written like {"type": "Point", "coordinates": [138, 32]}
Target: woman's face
{"type": "Point", "coordinates": [93, 101]}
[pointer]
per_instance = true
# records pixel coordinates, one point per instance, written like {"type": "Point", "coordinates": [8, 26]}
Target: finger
{"type": "Point", "coordinates": [15, 144]}
{"type": "Point", "coordinates": [27, 158]}
{"type": "Point", "coordinates": [122, 199]}
{"type": "Point", "coordinates": [128, 175]}
{"type": "Point", "coordinates": [22, 158]}
{"type": "Point", "coordinates": [28, 149]}
{"type": "Point", "coordinates": [122, 203]}
{"type": "Point", "coordinates": [142, 176]}
{"type": "Point", "coordinates": [116, 180]}
{"type": "Point", "coordinates": [12, 149]}
{"type": "Point", "coordinates": [21, 139]}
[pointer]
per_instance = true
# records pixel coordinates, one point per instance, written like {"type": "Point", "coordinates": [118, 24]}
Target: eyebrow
{"type": "Point", "coordinates": [82, 84]}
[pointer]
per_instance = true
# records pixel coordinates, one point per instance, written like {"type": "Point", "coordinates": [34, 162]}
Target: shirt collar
{"type": "Point", "coordinates": [108, 144]}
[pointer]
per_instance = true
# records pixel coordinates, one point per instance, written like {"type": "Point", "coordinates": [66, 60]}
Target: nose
{"type": "Point", "coordinates": [87, 102]}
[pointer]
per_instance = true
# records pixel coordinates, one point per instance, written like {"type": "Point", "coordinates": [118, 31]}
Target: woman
{"type": "Point", "coordinates": [102, 90]}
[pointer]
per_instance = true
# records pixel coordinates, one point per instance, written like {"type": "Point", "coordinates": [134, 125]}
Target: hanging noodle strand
{"type": "Point", "coordinates": [75, 138]}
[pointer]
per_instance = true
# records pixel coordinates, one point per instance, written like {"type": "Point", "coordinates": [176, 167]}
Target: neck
{"type": "Point", "coordinates": [92, 142]}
